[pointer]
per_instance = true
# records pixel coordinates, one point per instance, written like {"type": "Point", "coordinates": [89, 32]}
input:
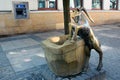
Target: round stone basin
{"type": "Point", "coordinates": [64, 57]}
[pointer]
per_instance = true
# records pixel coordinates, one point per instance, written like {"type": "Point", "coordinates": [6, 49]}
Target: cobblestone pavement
{"type": "Point", "coordinates": [22, 58]}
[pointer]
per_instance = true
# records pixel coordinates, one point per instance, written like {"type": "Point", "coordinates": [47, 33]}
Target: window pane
{"type": "Point", "coordinates": [41, 4]}
{"type": "Point", "coordinates": [75, 3]}
{"type": "Point", "coordinates": [72, 4]}
{"type": "Point", "coordinates": [113, 4]}
{"type": "Point", "coordinates": [47, 4]}
{"type": "Point", "coordinates": [51, 3]}
{"type": "Point", "coordinates": [96, 4]}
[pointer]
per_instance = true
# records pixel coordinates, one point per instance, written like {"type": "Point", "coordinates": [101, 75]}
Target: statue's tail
{"type": "Point", "coordinates": [89, 17]}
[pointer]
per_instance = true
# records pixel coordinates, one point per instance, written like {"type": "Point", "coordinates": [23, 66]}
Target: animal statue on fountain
{"type": "Point", "coordinates": [79, 27]}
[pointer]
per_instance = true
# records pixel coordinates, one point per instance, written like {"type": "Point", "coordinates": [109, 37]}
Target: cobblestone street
{"type": "Point", "coordinates": [22, 57]}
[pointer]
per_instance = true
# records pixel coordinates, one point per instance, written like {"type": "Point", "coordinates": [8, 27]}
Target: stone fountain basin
{"type": "Point", "coordinates": [64, 57]}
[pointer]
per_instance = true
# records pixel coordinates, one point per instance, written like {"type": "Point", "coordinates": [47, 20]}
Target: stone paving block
{"type": "Point", "coordinates": [31, 50]}
{"type": "Point", "coordinates": [3, 60]}
{"type": "Point", "coordinates": [11, 38]}
{"type": "Point", "coordinates": [22, 59]}
{"type": "Point", "coordinates": [20, 43]}
{"type": "Point", "coordinates": [85, 76]}
{"type": "Point", "coordinates": [22, 66]}
{"type": "Point", "coordinates": [7, 45]}
{"type": "Point", "coordinates": [11, 77]}
{"type": "Point", "coordinates": [43, 73]}
{"type": "Point", "coordinates": [23, 75]}
{"type": "Point", "coordinates": [36, 77]}
{"type": "Point", "coordinates": [109, 78]}
{"type": "Point", "coordinates": [24, 42]}
{"type": "Point", "coordinates": [29, 75]}
{"type": "Point", "coordinates": [19, 59]}
{"type": "Point", "coordinates": [78, 78]}
{"type": "Point", "coordinates": [48, 75]}
{"type": "Point", "coordinates": [59, 78]}
{"type": "Point", "coordinates": [6, 72]}
{"type": "Point", "coordinates": [1, 50]}
{"type": "Point", "coordinates": [38, 61]}
{"type": "Point", "coordinates": [35, 38]}
{"type": "Point", "coordinates": [31, 41]}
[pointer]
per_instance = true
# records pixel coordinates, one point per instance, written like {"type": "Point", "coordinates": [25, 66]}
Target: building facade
{"type": "Point", "coordinates": [57, 4]}
{"type": "Point", "coordinates": [48, 14]}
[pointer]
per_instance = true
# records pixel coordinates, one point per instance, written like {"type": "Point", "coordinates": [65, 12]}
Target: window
{"type": "Point", "coordinates": [114, 4]}
{"type": "Point", "coordinates": [76, 3]}
{"type": "Point", "coordinates": [47, 4]}
{"type": "Point", "coordinates": [96, 4]}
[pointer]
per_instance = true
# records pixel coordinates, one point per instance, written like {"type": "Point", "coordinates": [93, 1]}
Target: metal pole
{"type": "Point", "coordinates": [66, 4]}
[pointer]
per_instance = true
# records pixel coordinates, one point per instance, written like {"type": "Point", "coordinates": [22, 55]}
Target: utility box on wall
{"type": "Point", "coordinates": [21, 10]}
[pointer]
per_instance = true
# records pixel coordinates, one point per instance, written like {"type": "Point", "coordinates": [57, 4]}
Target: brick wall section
{"type": "Point", "coordinates": [44, 21]}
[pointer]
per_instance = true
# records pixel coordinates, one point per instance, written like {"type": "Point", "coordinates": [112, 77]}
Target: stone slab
{"type": "Point", "coordinates": [44, 73]}
{"type": "Point", "coordinates": [92, 74]}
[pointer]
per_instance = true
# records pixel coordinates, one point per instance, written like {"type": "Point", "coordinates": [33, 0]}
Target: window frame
{"type": "Point", "coordinates": [116, 6]}
{"type": "Point", "coordinates": [101, 6]}
{"type": "Point", "coordinates": [49, 8]}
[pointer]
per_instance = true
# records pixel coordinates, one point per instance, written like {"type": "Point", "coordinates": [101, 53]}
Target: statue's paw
{"type": "Point", "coordinates": [99, 67]}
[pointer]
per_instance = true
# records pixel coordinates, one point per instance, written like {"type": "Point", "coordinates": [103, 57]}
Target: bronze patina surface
{"type": "Point", "coordinates": [79, 26]}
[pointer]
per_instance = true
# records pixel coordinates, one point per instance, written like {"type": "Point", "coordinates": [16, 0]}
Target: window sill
{"type": "Point", "coordinates": [5, 11]}
{"type": "Point", "coordinates": [51, 11]}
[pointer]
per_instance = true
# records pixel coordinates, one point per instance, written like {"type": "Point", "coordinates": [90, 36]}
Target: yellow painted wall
{"type": "Point", "coordinates": [105, 17]}
{"type": "Point", "coordinates": [37, 22]}
{"type": "Point", "coordinates": [44, 21]}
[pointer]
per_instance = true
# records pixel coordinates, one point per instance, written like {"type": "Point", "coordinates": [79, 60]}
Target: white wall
{"type": "Point", "coordinates": [60, 4]}
{"type": "Point", "coordinates": [106, 4]}
{"type": "Point", "coordinates": [87, 4]}
{"type": "Point", "coordinates": [5, 5]}
{"type": "Point", "coordinates": [33, 4]}
{"type": "Point", "coordinates": [118, 4]}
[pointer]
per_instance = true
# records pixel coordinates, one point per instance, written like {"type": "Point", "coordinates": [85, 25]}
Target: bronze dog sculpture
{"type": "Point", "coordinates": [79, 26]}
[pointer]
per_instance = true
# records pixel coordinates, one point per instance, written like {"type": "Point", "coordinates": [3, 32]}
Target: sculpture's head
{"type": "Point", "coordinates": [77, 13]}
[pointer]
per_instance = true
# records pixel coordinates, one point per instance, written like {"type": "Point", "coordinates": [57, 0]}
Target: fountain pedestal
{"type": "Point", "coordinates": [64, 57]}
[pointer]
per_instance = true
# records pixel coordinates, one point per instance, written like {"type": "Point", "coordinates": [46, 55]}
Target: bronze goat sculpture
{"type": "Point", "coordinates": [79, 26]}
